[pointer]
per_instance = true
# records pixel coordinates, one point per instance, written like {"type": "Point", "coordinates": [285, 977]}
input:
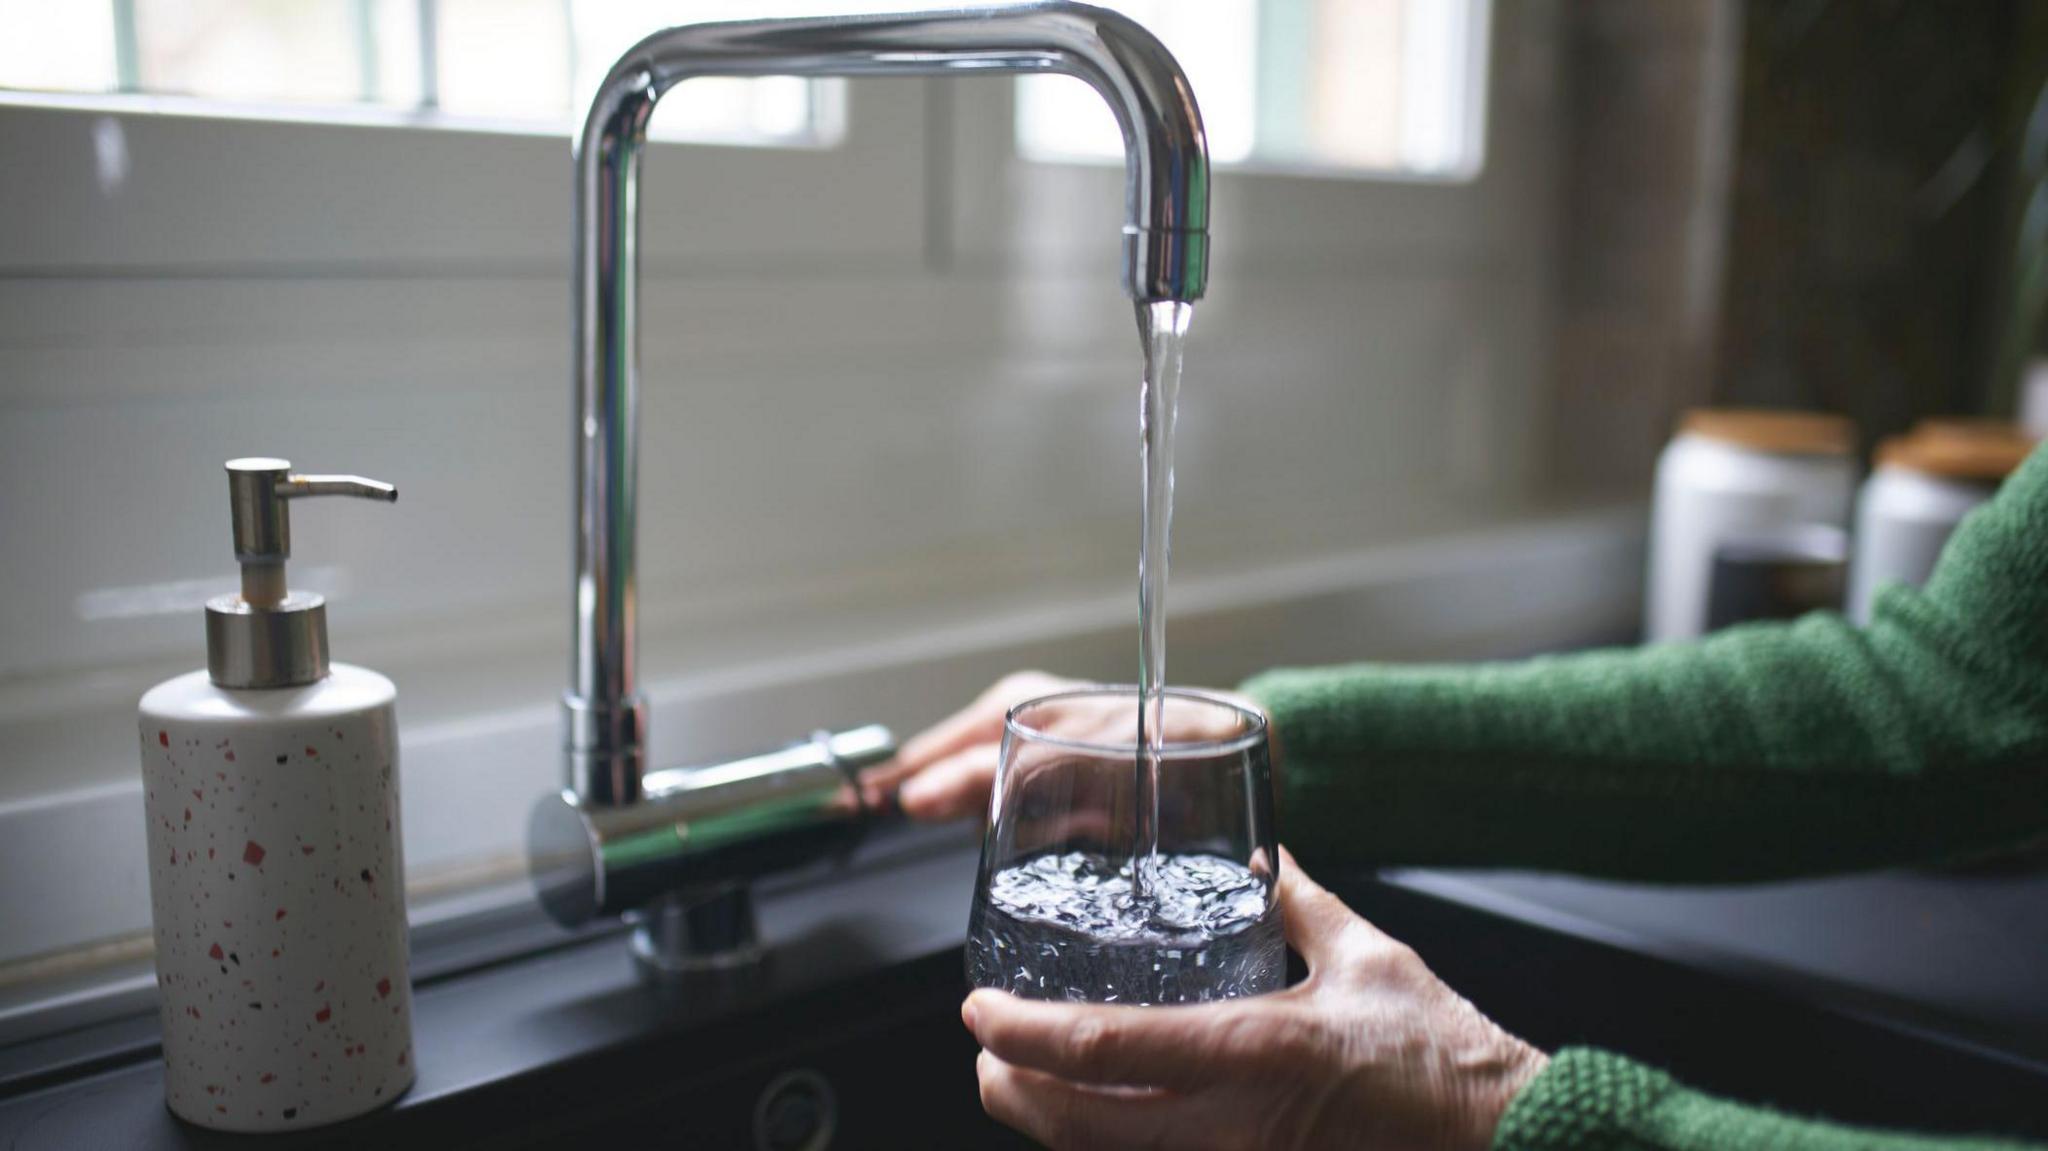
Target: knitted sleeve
{"type": "Point", "coordinates": [1764, 751]}
{"type": "Point", "coordinates": [1589, 1100]}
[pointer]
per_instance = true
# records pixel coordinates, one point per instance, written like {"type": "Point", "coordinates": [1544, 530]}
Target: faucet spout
{"type": "Point", "coordinates": [1165, 257]}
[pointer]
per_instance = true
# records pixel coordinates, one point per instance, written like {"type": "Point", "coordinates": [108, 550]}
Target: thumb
{"type": "Point", "coordinates": [1315, 918]}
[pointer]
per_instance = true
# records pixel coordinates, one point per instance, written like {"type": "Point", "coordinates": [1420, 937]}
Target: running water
{"type": "Point", "coordinates": [1162, 327]}
{"type": "Point", "coordinates": [1154, 926]}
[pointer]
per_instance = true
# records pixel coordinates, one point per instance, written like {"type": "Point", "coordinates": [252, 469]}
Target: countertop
{"type": "Point", "coordinates": [1887, 998]}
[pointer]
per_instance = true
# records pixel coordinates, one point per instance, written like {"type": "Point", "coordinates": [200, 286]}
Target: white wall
{"type": "Point", "coordinates": [886, 387]}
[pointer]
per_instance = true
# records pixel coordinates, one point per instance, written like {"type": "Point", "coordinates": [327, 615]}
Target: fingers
{"type": "Point", "coordinates": [1182, 1047]}
{"type": "Point", "coordinates": [1069, 1115]}
{"type": "Point", "coordinates": [1316, 920]}
{"type": "Point", "coordinates": [979, 724]}
{"type": "Point", "coordinates": [952, 788]}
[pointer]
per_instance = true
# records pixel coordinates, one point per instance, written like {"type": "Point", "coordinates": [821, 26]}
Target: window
{"type": "Point", "coordinates": [1370, 86]}
{"type": "Point", "coordinates": [514, 63]}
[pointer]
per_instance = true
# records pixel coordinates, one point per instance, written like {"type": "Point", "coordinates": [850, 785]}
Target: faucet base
{"type": "Point", "coordinates": [693, 934]}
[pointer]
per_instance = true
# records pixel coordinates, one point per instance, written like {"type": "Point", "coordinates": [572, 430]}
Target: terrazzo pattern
{"type": "Point", "coordinates": [276, 881]}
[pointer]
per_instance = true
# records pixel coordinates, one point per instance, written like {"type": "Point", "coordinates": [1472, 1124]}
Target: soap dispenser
{"type": "Point", "coordinates": [276, 882]}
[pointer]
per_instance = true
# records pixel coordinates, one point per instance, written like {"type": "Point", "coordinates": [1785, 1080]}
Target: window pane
{"type": "Point", "coordinates": [505, 59]}
{"type": "Point", "coordinates": [1367, 85]}
{"type": "Point", "coordinates": [57, 46]}
{"type": "Point", "coordinates": [524, 61]}
{"type": "Point", "coordinates": [249, 50]}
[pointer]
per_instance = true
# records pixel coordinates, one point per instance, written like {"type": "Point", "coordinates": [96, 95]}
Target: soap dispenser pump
{"type": "Point", "coordinates": [270, 785]}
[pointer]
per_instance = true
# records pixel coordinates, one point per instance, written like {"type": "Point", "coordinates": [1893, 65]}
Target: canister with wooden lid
{"type": "Point", "coordinates": [1731, 475]}
{"type": "Point", "coordinates": [1922, 487]}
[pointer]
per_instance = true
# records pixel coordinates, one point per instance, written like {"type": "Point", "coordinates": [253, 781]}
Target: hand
{"type": "Point", "coordinates": [946, 772]}
{"type": "Point", "coordinates": [1371, 1051]}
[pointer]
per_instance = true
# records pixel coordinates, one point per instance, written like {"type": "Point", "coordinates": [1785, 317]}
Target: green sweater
{"type": "Point", "coordinates": [1765, 751]}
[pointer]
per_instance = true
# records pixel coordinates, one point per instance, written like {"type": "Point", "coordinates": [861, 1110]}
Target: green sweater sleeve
{"type": "Point", "coordinates": [1764, 751]}
{"type": "Point", "coordinates": [1589, 1100]}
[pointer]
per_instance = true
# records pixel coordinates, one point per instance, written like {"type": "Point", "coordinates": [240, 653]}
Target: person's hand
{"type": "Point", "coordinates": [1371, 1051]}
{"type": "Point", "coordinates": [946, 772]}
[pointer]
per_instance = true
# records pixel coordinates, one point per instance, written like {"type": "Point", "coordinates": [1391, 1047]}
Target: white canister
{"type": "Point", "coordinates": [1923, 486]}
{"type": "Point", "coordinates": [278, 894]}
{"type": "Point", "coordinates": [277, 889]}
{"type": "Point", "coordinates": [1733, 474]}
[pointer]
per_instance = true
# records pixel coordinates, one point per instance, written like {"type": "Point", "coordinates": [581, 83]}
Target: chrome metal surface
{"type": "Point", "coordinates": [283, 645]}
{"type": "Point", "coordinates": [269, 635]}
{"type": "Point", "coordinates": [700, 933]}
{"type": "Point", "coordinates": [697, 829]}
{"type": "Point", "coordinates": [1165, 249]}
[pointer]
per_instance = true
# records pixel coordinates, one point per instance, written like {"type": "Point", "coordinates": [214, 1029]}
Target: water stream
{"type": "Point", "coordinates": [1162, 327]}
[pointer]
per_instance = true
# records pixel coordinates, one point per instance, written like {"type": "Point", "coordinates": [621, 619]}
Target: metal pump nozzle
{"type": "Point", "coordinates": [269, 635]}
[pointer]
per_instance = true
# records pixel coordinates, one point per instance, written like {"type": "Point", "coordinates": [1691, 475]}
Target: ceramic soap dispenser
{"type": "Point", "coordinates": [276, 883]}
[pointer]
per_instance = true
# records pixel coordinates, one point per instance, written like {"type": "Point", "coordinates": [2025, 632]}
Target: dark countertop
{"type": "Point", "coordinates": [1884, 998]}
{"type": "Point", "coordinates": [1967, 954]}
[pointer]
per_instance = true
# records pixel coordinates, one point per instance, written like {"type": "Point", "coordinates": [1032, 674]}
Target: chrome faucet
{"type": "Point", "coordinates": [1165, 257]}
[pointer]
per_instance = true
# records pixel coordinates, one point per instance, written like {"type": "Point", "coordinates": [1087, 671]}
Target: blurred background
{"type": "Point", "coordinates": [1473, 258]}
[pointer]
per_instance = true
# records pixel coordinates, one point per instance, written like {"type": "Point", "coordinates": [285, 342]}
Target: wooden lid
{"type": "Point", "coordinates": [1969, 428]}
{"type": "Point", "coordinates": [1975, 458]}
{"type": "Point", "coordinates": [1772, 430]}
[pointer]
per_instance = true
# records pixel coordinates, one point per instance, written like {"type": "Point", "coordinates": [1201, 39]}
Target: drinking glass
{"type": "Point", "coordinates": [1071, 904]}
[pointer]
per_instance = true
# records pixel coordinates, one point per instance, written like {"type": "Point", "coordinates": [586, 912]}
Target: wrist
{"type": "Point", "coordinates": [1517, 1066]}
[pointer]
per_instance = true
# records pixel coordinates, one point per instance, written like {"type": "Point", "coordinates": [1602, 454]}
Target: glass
{"type": "Point", "coordinates": [1060, 910]}
{"type": "Point", "coordinates": [1371, 86]}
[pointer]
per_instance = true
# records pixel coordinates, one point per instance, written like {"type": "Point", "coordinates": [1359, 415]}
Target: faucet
{"type": "Point", "coordinates": [620, 839]}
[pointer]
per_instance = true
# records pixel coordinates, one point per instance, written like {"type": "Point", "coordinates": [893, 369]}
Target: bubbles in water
{"type": "Point", "coordinates": [1070, 926]}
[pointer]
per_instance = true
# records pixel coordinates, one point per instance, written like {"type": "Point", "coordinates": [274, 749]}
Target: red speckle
{"type": "Point", "coordinates": [312, 754]}
{"type": "Point", "coordinates": [253, 853]}
{"type": "Point", "coordinates": [217, 953]}
{"type": "Point", "coordinates": [198, 794]}
{"type": "Point", "coordinates": [209, 853]}
{"type": "Point", "coordinates": [320, 986]}
{"type": "Point", "coordinates": [402, 1056]}
{"type": "Point", "coordinates": [325, 1013]}
{"type": "Point", "coordinates": [174, 857]}
{"type": "Point", "coordinates": [274, 953]}
{"type": "Point", "coordinates": [192, 1011]}
{"type": "Point", "coordinates": [213, 1089]}
{"type": "Point", "coordinates": [230, 757]}
{"type": "Point", "coordinates": [306, 850]}
{"type": "Point", "coordinates": [267, 1077]}
{"type": "Point", "coordinates": [188, 815]}
{"type": "Point", "coordinates": [221, 1107]}
{"type": "Point", "coordinates": [280, 913]}
{"type": "Point", "coordinates": [163, 739]}
{"type": "Point", "coordinates": [383, 988]}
